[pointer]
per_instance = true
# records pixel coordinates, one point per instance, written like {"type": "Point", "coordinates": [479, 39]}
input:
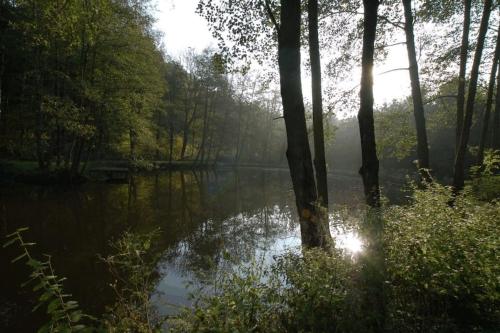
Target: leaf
{"type": "Point", "coordinates": [53, 305]}
{"type": "Point", "coordinates": [10, 242]}
{"type": "Point", "coordinates": [19, 257]}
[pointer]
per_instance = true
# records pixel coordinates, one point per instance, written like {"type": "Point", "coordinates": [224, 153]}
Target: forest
{"type": "Point", "coordinates": [274, 181]}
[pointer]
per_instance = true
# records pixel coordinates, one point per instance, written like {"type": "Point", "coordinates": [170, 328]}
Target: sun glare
{"type": "Point", "coordinates": [348, 241]}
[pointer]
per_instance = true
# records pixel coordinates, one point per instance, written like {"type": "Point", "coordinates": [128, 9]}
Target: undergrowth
{"type": "Point", "coordinates": [436, 270]}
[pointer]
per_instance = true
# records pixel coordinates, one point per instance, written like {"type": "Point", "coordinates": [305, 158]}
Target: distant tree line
{"type": "Point", "coordinates": [85, 80]}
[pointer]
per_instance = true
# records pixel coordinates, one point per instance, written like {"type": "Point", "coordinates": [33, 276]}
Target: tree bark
{"type": "Point", "coordinates": [201, 150]}
{"type": "Point", "coordinates": [495, 138]}
{"type": "Point", "coordinates": [461, 75]}
{"type": "Point", "coordinates": [458, 174]}
{"type": "Point", "coordinates": [158, 135]}
{"type": "Point", "coordinates": [298, 151]}
{"type": "Point", "coordinates": [416, 93]}
{"type": "Point", "coordinates": [133, 143]}
{"type": "Point", "coordinates": [370, 163]}
{"type": "Point", "coordinates": [489, 102]}
{"type": "Point", "coordinates": [317, 102]}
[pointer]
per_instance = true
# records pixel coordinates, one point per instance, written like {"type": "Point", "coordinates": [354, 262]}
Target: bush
{"type": "Point", "coordinates": [440, 275]}
{"type": "Point", "coordinates": [434, 268]}
{"type": "Point", "coordinates": [442, 262]}
{"type": "Point", "coordinates": [299, 293]}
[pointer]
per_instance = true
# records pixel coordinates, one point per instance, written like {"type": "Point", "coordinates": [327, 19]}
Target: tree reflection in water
{"type": "Point", "coordinates": [203, 217]}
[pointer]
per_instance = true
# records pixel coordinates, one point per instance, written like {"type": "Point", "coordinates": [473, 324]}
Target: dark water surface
{"type": "Point", "coordinates": [202, 216]}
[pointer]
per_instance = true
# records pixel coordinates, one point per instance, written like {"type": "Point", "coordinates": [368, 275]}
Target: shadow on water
{"type": "Point", "coordinates": [202, 215]}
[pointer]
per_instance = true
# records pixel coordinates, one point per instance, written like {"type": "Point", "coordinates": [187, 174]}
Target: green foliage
{"type": "Point", "coordinates": [396, 136]}
{"type": "Point", "coordinates": [133, 266]}
{"type": "Point", "coordinates": [442, 262]}
{"type": "Point", "coordinates": [309, 293]}
{"type": "Point", "coordinates": [440, 275]}
{"type": "Point", "coordinates": [486, 181]}
{"type": "Point", "coordinates": [64, 313]}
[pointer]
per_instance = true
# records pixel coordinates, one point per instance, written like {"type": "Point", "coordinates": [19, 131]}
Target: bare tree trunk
{"type": "Point", "coordinates": [416, 93]}
{"type": "Point", "coordinates": [298, 152]}
{"type": "Point", "coordinates": [187, 123]}
{"type": "Point", "coordinates": [171, 140]}
{"type": "Point", "coordinates": [2, 70]}
{"type": "Point", "coordinates": [317, 101]}
{"type": "Point", "coordinates": [458, 174]}
{"type": "Point", "coordinates": [461, 76]}
{"type": "Point", "coordinates": [489, 102]}
{"type": "Point", "coordinates": [158, 135]}
{"type": "Point", "coordinates": [370, 163]}
{"type": "Point", "coordinates": [495, 137]}
{"type": "Point", "coordinates": [133, 143]}
{"type": "Point", "coordinates": [201, 151]}
{"type": "Point", "coordinates": [236, 159]}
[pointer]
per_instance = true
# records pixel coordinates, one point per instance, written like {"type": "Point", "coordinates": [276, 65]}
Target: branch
{"type": "Point", "coordinates": [270, 14]}
{"type": "Point", "coordinates": [394, 70]}
{"type": "Point", "coordinates": [395, 24]}
{"type": "Point", "coordinates": [389, 45]}
{"type": "Point", "coordinates": [435, 98]}
{"type": "Point", "coordinates": [281, 117]}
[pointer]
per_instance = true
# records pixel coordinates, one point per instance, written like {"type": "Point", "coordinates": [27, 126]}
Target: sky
{"type": "Point", "coordinates": [183, 28]}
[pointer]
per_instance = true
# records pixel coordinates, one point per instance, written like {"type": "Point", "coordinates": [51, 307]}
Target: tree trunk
{"type": "Point", "coordinates": [458, 174]}
{"type": "Point", "coordinates": [370, 163]}
{"type": "Point", "coordinates": [76, 158]}
{"type": "Point", "coordinates": [187, 123]}
{"type": "Point", "coordinates": [133, 143]}
{"type": "Point", "coordinates": [2, 70]}
{"type": "Point", "coordinates": [489, 102]}
{"type": "Point", "coordinates": [184, 134]}
{"type": "Point", "coordinates": [495, 138]}
{"type": "Point", "coordinates": [158, 135]}
{"type": "Point", "coordinates": [40, 151]}
{"type": "Point", "coordinates": [171, 140]}
{"type": "Point", "coordinates": [461, 75]}
{"type": "Point", "coordinates": [236, 159]}
{"type": "Point", "coordinates": [416, 93]}
{"type": "Point", "coordinates": [201, 152]}
{"type": "Point", "coordinates": [298, 152]}
{"type": "Point", "coordinates": [317, 102]}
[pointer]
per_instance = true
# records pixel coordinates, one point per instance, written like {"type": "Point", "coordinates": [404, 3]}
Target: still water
{"type": "Point", "coordinates": [202, 216]}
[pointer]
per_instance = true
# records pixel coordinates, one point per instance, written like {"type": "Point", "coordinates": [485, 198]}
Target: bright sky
{"type": "Point", "coordinates": [183, 28]}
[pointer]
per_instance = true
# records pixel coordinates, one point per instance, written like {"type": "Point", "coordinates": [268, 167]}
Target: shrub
{"type": "Point", "coordinates": [442, 262]}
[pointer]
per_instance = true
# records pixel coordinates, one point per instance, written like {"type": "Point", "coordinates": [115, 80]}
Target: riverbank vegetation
{"type": "Point", "coordinates": [89, 82]}
{"type": "Point", "coordinates": [440, 275]}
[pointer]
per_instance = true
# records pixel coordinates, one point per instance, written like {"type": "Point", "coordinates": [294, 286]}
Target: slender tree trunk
{"type": "Point", "coordinates": [133, 143]}
{"type": "Point", "coordinates": [2, 70]}
{"type": "Point", "coordinates": [76, 158]}
{"type": "Point", "coordinates": [171, 140]}
{"type": "Point", "coordinates": [489, 102]}
{"type": "Point", "coordinates": [201, 152]}
{"type": "Point", "coordinates": [370, 163]}
{"type": "Point", "coordinates": [317, 101]}
{"type": "Point", "coordinates": [373, 272]}
{"type": "Point", "coordinates": [184, 134]}
{"type": "Point", "coordinates": [40, 151]}
{"type": "Point", "coordinates": [463, 69]}
{"type": "Point", "coordinates": [158, 134]}
{"type": "Point", "coordinates": [458, 174]}
{"type": "Point", "coordinates": [236, 159]}
{"type": "Point", "coordinates": [298, 152]}
{"type": "Point", "coordinates": [416, 93]}
{"type": "Point", "coordinates": [187, 124]}
{"type": "Point", "coordinates": [495, 137]}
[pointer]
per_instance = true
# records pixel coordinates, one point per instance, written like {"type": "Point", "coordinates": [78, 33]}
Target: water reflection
{"type": "Point", "coordinates": [202, 215]}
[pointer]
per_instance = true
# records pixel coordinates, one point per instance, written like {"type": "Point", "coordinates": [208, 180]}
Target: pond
{"type": "Point", "coordinates": [203, 216]}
